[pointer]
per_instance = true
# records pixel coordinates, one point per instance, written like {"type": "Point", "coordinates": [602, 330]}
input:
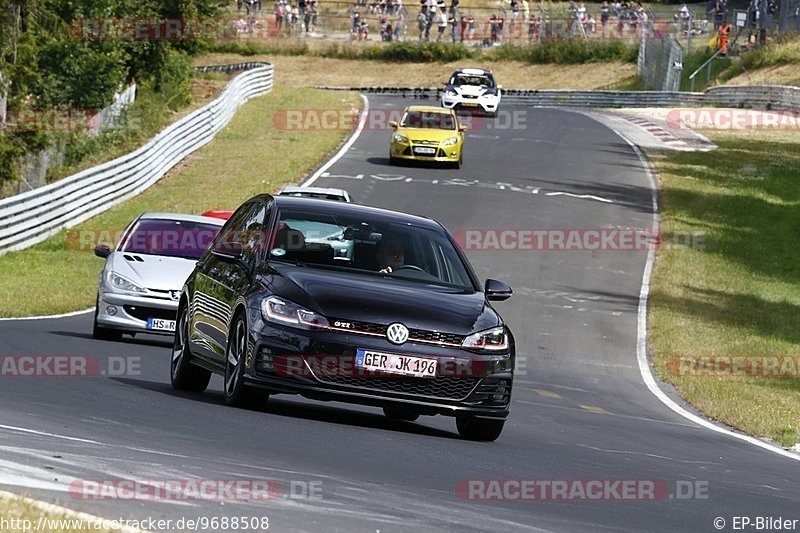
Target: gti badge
{"type": "Point", "coordinates": [397, 333]}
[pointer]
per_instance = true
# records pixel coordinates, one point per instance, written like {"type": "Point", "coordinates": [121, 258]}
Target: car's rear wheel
{"type": "Point", "coordinates": [183, 374]}
{"type": "Point", "coordinates": [399, 413]}
{"type": "Point", "coordinates": [236, 392]}
{"type": "Point", "coordinates": [101, 333]}
{"type": "Point", "coordinates": [480, 429]}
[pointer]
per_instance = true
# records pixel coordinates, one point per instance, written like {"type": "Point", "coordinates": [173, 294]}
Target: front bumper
{"type": "Point", "coordinates": [443, 154]}
{"type": "Point", "coordinates": [132, 311]}
{"type": "Point", "coordinates": [320, 366]}
{"type": "Point", "coordinates": [486, 103]}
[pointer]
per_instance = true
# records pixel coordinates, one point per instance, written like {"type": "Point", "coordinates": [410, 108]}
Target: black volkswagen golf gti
{"type": "Point", "coordinates": [350, 303]}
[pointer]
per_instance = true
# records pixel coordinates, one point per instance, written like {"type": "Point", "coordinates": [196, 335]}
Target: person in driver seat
{"type": "Point", "coordinates": [390, 254]}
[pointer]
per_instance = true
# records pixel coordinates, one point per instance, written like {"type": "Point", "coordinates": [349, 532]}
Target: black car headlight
{"type": "Point", "coordinates": [490, 340]}
{"type": "Point", "coordinates": [280, 311]}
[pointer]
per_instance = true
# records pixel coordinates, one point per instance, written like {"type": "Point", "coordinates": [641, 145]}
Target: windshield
{"type": "Point", "coordinates": [369, 246]}
{"type": "Point", "coordinates": [464, 79]}
{"type": "Point", "coordinates": [430, 120]}
{"type": "Point", "coordinates": [170, 238]}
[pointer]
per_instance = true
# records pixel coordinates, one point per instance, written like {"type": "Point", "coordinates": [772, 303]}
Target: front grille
{"type": "Point", "coordinates": [446, 388]}
{"type": "Point", "coordinates": [143, 313]}
{"type": "Point", "coordinates": [425, 142]}
{"type": "Point", "coordinates": [414, 335]}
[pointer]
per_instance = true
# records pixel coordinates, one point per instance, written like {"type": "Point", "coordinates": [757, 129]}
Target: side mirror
{"type": "Point", "coordinates": [228, 250]}
{"type": "Point", "coordinates": [497, 291]}
{"type": "Point", "coordinates": [463, 127]}
{"type": "Point", "coordinates": [102, 250]}
{"type": "Point", "coordinates": [393, 124]}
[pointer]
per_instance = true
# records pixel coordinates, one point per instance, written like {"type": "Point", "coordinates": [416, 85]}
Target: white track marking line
{"type": "Point", "coordinates": [343, 150]}
{"type": "Point", "coordinates": [62, 315]}
{"type": "Point", "coordinates": [641, 336]}
{"type": "Point", "coordinates": [75, 515]}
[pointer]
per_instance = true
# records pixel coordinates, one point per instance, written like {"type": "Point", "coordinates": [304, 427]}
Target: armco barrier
{"type": "Point", "coordinates": [754, 96]}
{"type": "Point", "coordinates": [31, 217]}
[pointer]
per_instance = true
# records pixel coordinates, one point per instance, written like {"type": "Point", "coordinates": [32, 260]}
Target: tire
{"type": "Point", "coordinates": [393, 161]}
{"type": "Point", "coordinates": [398, 413]}
{"type": "Point", "coordinates": [101, 333]}
{"type": "Point", "coordinates": [183, 374]}
{"type": "Point", "coordinates": [479, 429]}
{"type": "Point", "coordinates": [236, 393]}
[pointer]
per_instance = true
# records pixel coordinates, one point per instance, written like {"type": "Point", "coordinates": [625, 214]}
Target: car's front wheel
{"type": "Point", "coordinates": [183, 374]}
{"type": "Point", "coordinates": [236, 392]}
{"type": "Point", "coordinates": [481, 429]}
{"type": "Point", "coordinates": [101, 333]}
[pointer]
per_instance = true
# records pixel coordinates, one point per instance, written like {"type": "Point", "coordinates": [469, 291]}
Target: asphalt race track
{"type": "Point", "coordinates": [580, 409]}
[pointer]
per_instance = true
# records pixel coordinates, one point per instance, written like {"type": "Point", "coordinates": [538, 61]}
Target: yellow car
{"type": "Point", "coordinates": [427, 133]}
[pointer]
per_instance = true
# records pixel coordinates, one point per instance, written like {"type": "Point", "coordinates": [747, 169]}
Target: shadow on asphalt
{"type": "Point", "coordinates": [292, 409]}
{"type": "Point", "coordinates": [166, 342]}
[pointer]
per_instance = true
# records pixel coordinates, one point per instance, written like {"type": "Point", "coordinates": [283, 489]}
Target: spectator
{"type": "Point", "coordinates": [280, 12]}
{"type": "Point", "coordinates": [533, 28]}
{"type": "Point", "coordinates": [514, 12]}
{"type": "Point", "coordinates": [301, 8]}
{"type": "Point", "coordinates": [422, 22]}
{"type": "Point", "coordinates": [617, 7]}
{"type": "Point", "coordinates": [494, 28]}
{"type": "Point", "coordinates": [453, 22]}
{"type": "Point", "coordinates": [471, 24]}
{"type": "Point", "coordinates": [363, 30]}
{"type": "Point", "coordinates": [441, 19]}
{"type": "Point", "coordinates": [354, 28]}
{"type": "Point", "coordinates": [399, 24]}
{"type": "Point", "coordinates": [604, 14]}
{"type": "Point", "coordinates": [463, 34]}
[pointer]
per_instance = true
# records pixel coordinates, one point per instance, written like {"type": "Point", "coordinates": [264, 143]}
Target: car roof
{"type": "Point", "coordinates": [182, 217]}
{"type": "Point", "coordinates": [473, 71]}
{"type": "Point", "coordinates": [314, 190]}
{"type": "Point", "coordinates": [328, 207]}
{"type": "Point", "coordinates": [429, 109]}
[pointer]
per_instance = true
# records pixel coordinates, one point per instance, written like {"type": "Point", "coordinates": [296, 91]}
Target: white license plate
{"type": "Point", "coordinates": [470, 104]}
{"type": "Point", "coordinates": [391, 363]}
{"type": "Point", "coordinates": [160, 324]}
{"type": "Point", "coordinates": [424, 150]}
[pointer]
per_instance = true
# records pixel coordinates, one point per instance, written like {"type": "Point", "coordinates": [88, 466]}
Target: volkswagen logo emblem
{"type": "Point", "coordinates": [174, 294]}
{"type": "Point", "coordinates": [397, 333]}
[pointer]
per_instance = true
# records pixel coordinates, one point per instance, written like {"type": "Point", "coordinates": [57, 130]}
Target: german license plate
{"type": "Point", "coordinates": [424, 150]}
{"type": "Point", "coordinates": [391, 363]}
{"type": "Point", "coordinates": [470, 104]}
{"type": "Point", "coordinates": [160, 324]}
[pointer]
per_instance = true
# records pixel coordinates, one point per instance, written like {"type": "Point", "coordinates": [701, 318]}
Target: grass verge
{"type": "Point", "coordinates": [736, 290]}
{"type": "Point", "coordinates": [22, 515]}
{"type": "Point", "coordinates": [248, 157]}
{"type": "Point", "coordinates": [304, 71]}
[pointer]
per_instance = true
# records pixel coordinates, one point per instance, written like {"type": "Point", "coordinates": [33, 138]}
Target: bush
{"type": "Point", "coordinates": [174, 79]}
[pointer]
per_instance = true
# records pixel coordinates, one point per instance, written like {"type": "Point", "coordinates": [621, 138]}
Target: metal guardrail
{"type": "Point", "coordinates": [31, 217]}
{"type": "Point", "coordinates": [754, 96]}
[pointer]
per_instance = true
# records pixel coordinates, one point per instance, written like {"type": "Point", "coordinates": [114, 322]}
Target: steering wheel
{"type": "Point", "coordinates": [410, 267]}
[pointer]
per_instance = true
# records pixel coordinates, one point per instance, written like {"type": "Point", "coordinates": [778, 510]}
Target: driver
{"type": "Point", "coordinates": [390, 254]}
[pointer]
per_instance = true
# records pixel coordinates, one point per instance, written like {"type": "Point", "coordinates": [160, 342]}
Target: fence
{"type": "Point", "coordinates": [660, 62]}
{"type": "Point", "coordinates": [31, 217]}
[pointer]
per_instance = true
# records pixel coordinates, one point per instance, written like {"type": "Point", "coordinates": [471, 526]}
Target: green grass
{"type": "Point", "coordinates": [693, 60]}
{"type": "Point", "coordinates": [739, 294]}
{"type": "Point", "coordinates": [562, 52]}
{"type": "Point", "coordinates": [248, 157]}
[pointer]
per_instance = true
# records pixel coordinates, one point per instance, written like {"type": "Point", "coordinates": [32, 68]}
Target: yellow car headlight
{"type": "Point", "coordinates": [450, 142]}
{"type": "Point", "coordinates": [399, 138]}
